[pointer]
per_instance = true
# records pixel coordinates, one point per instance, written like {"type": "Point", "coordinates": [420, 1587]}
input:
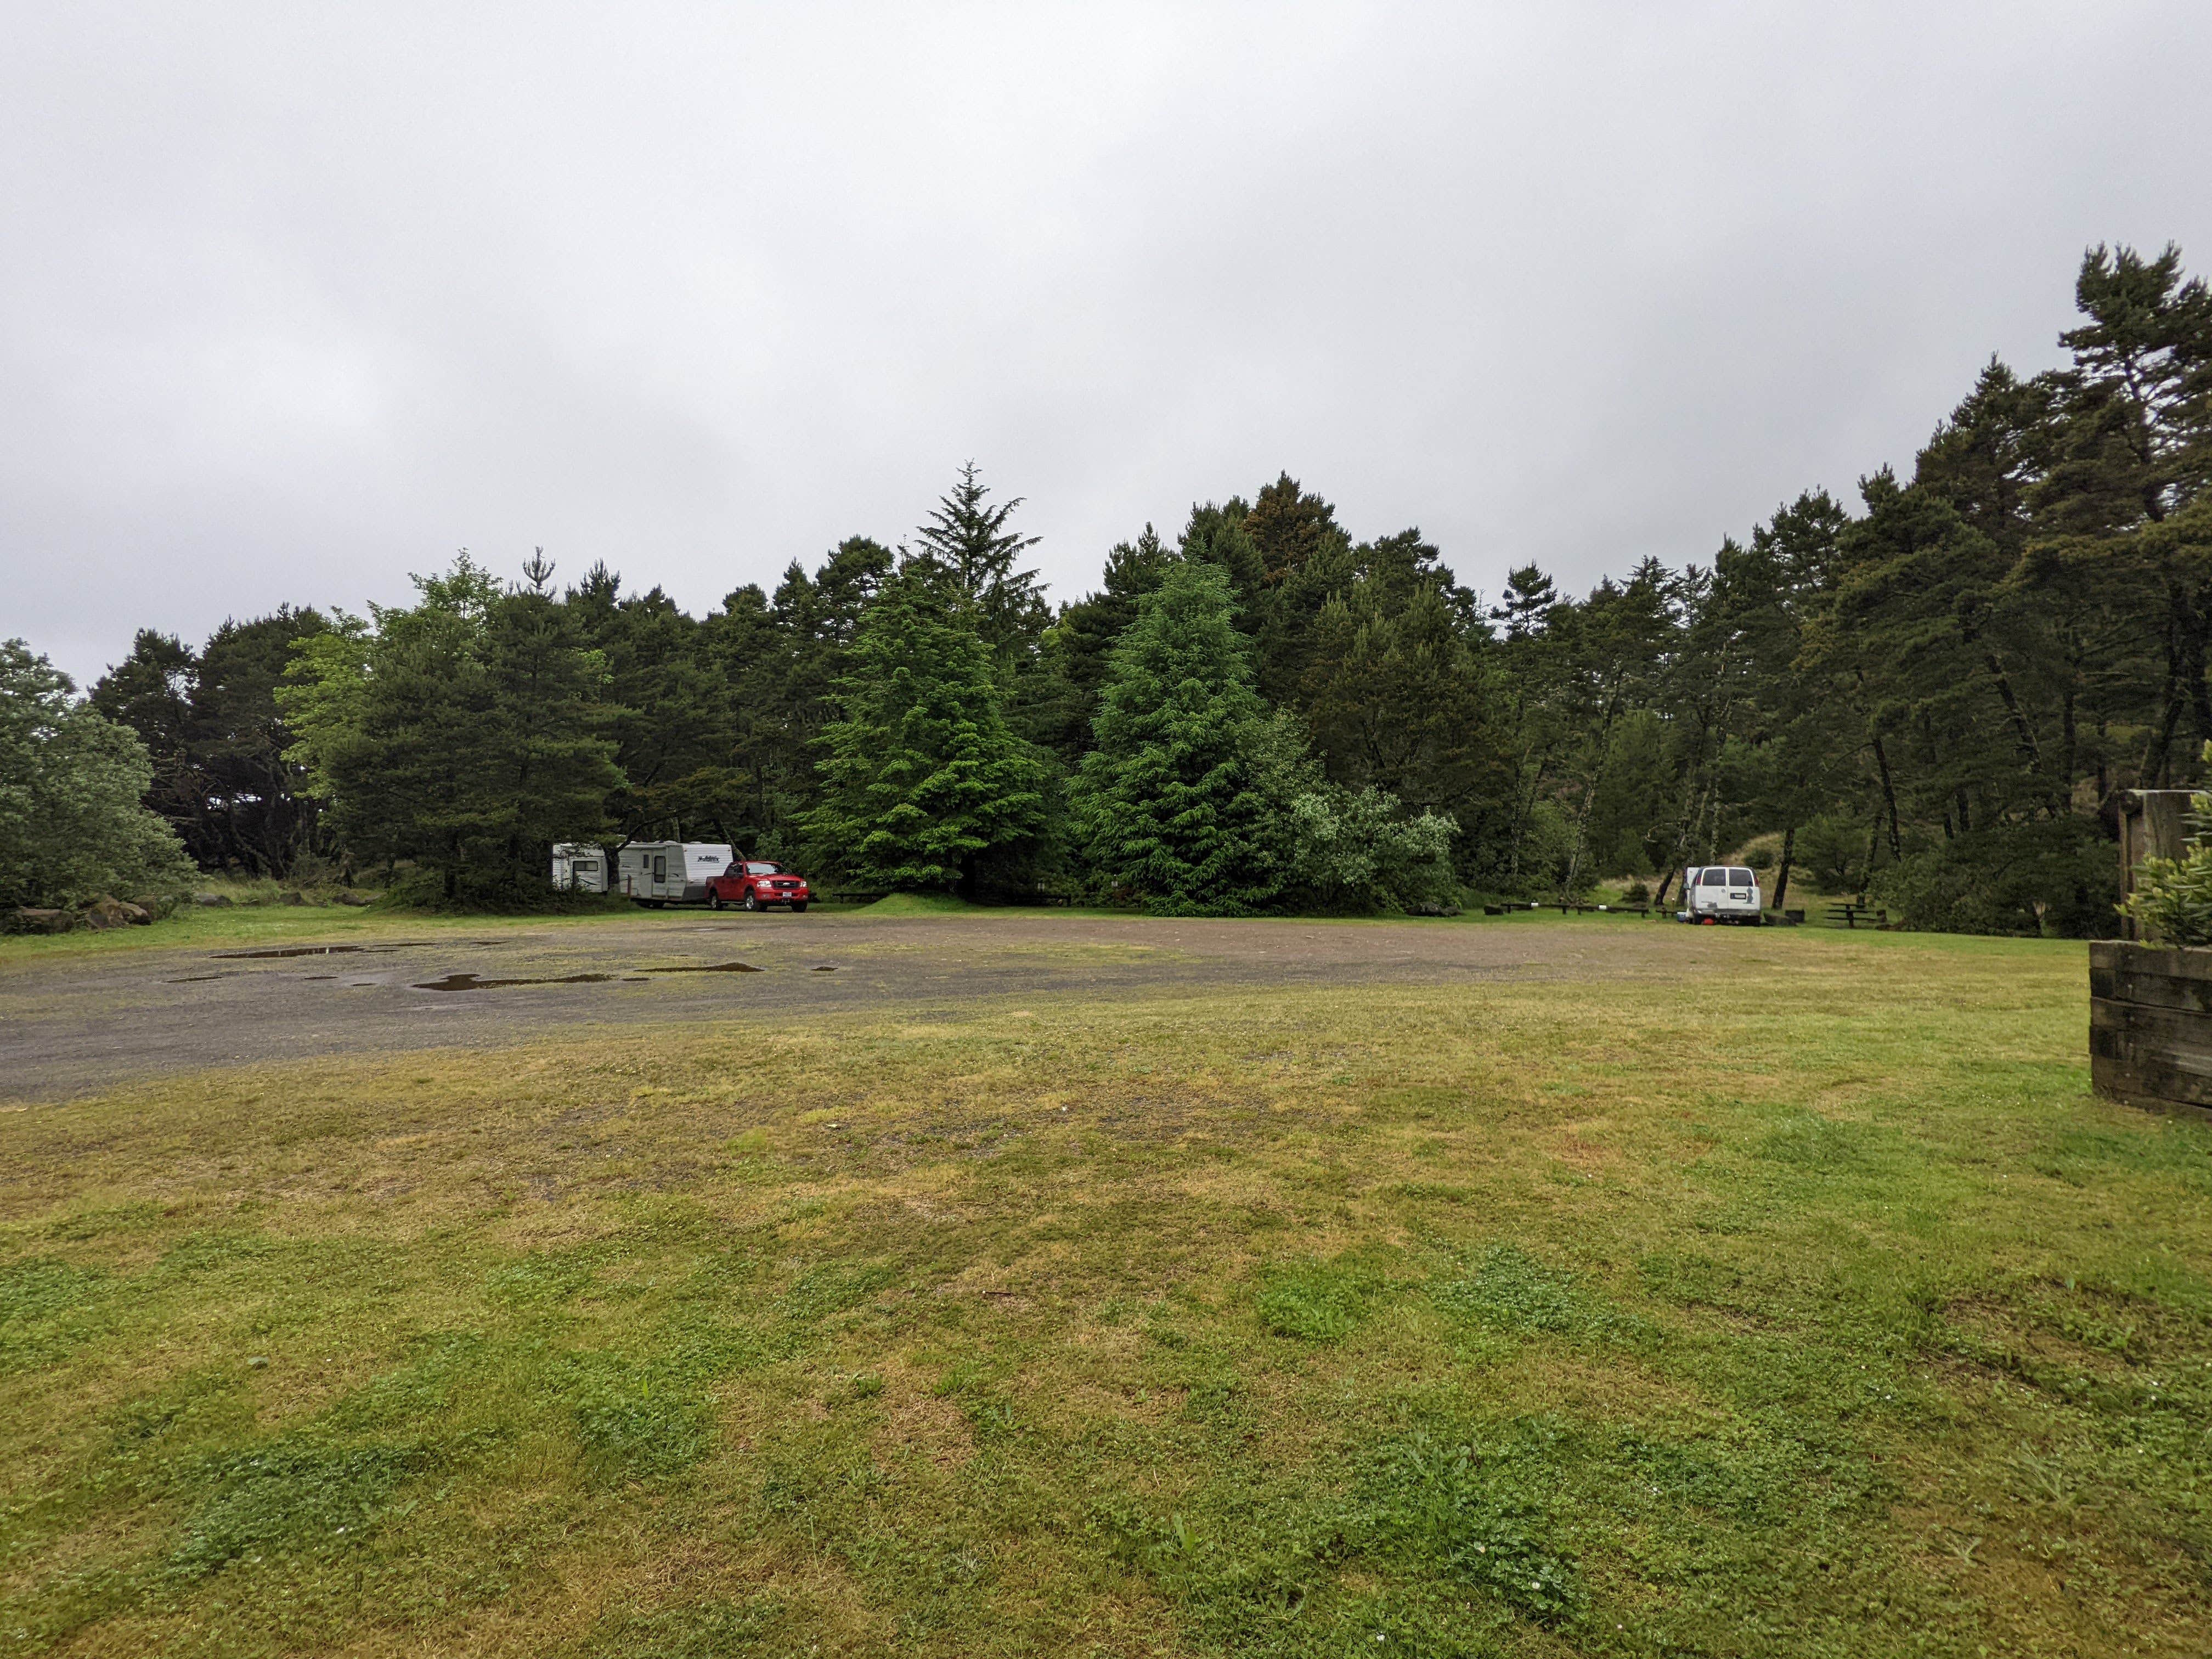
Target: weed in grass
{"type": "Point", "coordinates": [293, 1496]}
{"type": "Point", "coordinates": [627, 1432]}
{"type": "Point", "coordinates": [48, 1307]}
{"type": "Point", "coordinates": [1507, 1290]}
{"type": "Point", "coordinates": [1315, 1301]}
{"type": "Point", "coordinates": [1477, 1511]}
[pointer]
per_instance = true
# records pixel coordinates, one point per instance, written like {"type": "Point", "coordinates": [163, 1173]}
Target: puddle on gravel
{"type": "Point", "coordinates": [471, 982]}
{"type": "Point", "coordinates": [825, 970]}
{"type": "Point", "coordinates": [316, 951]}
{"type": "Point", "coordinates": [194, 978]}
{"type": "Point", "coordinates": [708, 968]}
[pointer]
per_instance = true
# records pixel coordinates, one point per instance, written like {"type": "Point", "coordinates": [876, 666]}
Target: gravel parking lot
{"type": "Point", "coordinates": [71, 1024]}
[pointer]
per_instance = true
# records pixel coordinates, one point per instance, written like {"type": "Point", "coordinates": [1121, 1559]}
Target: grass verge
{"type": "Point", "coordinates": [1810, 1309]}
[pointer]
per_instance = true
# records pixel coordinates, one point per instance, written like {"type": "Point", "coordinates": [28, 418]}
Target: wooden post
{"type": "Point", "coordinates": [2154, 824]}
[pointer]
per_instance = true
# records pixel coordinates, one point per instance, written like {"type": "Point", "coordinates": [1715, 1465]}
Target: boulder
{"type": "Point", "coordinates": [30, 920]}
{"type": "Point", "coordinates": [351, 898]}
{"type": "Point", "coordinates": [294, 898]}
{"type": "Point", "coordinates": [107, 911]}
{"type": "Point", "coordinates": [212, 901]}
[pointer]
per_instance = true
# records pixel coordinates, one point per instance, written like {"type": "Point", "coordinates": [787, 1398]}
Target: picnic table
{"type": "Point", "coordinates": [1851, 914]}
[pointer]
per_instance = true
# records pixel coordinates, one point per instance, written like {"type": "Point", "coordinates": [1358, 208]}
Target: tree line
{"type": "Point", "coordinates": [1931, 695]}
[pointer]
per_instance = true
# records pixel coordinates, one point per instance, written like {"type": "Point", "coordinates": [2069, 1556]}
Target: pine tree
{"type": "Point", "coordinates": [972, 541]}
{"type": "Point", "coordinates": [921, 777]}
{"type": "Point", "coordinates": [1168, 807]}
{"type": "Point", "coordinates": [1078, 646]}
{"type": "Point", "coordinates": [550, 766]}
{"type": "Point", "coordinates": [466, 732]}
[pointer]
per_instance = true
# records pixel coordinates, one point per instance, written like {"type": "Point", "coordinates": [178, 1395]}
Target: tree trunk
{"type": "Point", "coordinates": [1889, 802]}
{"type": "Point", "coordinates": [1523, 805]}
{"type": "Point", "coordinates": [2023, 733]}
{"type": "Point", "coordinates": [1789, 854]}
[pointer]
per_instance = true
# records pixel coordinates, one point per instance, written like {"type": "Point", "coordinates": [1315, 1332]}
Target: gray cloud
{"type": "Point", "coordinates": [295, 300]}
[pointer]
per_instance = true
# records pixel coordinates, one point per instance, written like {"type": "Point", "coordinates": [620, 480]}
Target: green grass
{"type": "Point", "coordinates": [920, 904]}
{"type": "Point", "coordinates": [1807, 1307]}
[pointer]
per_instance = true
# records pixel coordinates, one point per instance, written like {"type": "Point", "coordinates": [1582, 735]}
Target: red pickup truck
{"type": "Point", "coordinates": [756, 884]}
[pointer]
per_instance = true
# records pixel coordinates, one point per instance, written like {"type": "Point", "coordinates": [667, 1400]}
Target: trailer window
{"type": "Point", "coordinates": [659, 866]}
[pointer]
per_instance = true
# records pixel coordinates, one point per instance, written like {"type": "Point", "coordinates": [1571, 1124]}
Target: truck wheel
{"type": "Point", "coordinates": [799, 907]}
{"type": "Point", "coordinates": [752, 899]}
{"type": "Point", "coordinates": [714, 899]}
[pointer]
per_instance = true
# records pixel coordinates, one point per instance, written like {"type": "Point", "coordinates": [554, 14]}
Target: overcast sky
{"type": "Point", "coordinates": [296, 300]}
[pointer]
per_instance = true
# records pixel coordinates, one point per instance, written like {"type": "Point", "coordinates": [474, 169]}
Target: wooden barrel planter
{"type": "Point", "coordinates": [2150, 1005]}
{"type": "Point", "coordinates": [2150, 1023]}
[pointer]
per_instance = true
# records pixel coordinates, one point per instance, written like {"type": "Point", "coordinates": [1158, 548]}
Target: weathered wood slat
{"type": "Point", "coordinates": [2150, 1023]}
{"type": "Point", "coordinates": [2187, 1033]}
{"type": "Point", "coordinates": [2142, 1051]}
{"type": "Point", "coordinates": [2114, 955]}
{"type": "Point", "coordinates": [2135, 1078]}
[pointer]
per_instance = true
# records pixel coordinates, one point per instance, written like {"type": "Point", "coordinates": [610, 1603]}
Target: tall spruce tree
{"type": "Point", "coordinates": [1172, 808]}
{"type": "Point", "coordinates": [971, 540]}
{"type": "Point", "coordinates": [921, 777]}
{"type": "Point", "coordinates": [550, 757]}
{"type": "Point", "coordinates": [1078, 646]}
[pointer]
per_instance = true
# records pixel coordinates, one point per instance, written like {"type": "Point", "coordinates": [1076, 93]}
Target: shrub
{"type": "Point", "coordinates": [2055, 876]}
{"type": "Point", "coordinates": [2173, 899]}
{"type": "Point", "coordinates": [1360, 851]}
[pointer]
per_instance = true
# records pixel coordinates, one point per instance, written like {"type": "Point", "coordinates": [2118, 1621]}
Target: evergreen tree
{"type": "Point", "coordinates": [921, 777]}
{"type": "Point", "coordinates": [549, 760]}
{"type": "Point", "coordinates": [1077, 647]}
{"type": "Point", "coordinates": [466, 732]}
{"type": "Point", "coordinates": [1398, 688]}
{"type": "Point", "coordinates": [971, 541]}
{"type": "Point", "coordinates": [209, 721]}
{"type": "Point", "coordinates": [1171, 808]}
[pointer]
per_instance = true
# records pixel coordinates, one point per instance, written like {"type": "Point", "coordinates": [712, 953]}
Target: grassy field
{"type": "Point", "coordinates": [1808, 1306]}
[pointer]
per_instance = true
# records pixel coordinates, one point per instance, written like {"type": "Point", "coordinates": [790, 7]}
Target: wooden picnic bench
{"type": "Point", "coordinates": [1851, 914]}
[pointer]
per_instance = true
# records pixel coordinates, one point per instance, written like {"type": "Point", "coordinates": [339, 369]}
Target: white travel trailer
{"type": "Point", "coordinates": [1720, 892]}
{"type": "Point", "coordinates": [658, 872]}
{"type": "Point", "coordinates": [579, 867]}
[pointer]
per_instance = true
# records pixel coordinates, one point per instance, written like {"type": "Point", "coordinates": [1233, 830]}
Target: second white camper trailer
{"type": "Point", "coordinates": [657, 872]}
{"type": "Point", "coordinates": [580, 867]}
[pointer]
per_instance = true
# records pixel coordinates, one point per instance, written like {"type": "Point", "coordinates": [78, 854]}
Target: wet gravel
{"type": "Point", "coordinates": [73, 1024]}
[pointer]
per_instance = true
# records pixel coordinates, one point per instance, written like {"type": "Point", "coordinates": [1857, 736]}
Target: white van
{"type": "Point", "coordinates": [579, 867]}
{"type": "Point", "coordinates": [657, 872]}
{"type": "Point", "coordinates": [1721, 892]}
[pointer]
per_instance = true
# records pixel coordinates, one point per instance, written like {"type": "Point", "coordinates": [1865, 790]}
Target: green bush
{"type": "Point", "coordinates": [1831, 852]}
{"type": "Point", "coordinates": [2059, 877]}
{"type": "Point", "coordinates": [1360, 851]}
{"type": "Point", "coordinates": [2173, 899]}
